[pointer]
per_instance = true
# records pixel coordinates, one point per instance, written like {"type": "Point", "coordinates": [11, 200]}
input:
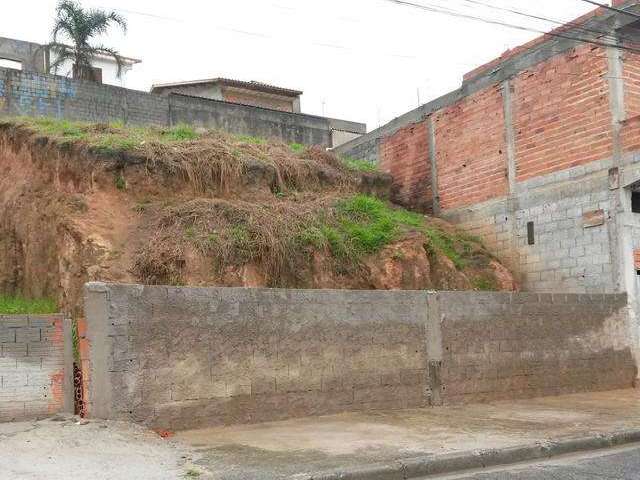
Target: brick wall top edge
{"type": "Point", "coordinates": [510, 67]}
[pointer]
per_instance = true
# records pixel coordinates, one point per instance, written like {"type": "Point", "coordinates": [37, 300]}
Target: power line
{"type": "Point", "coordinates": [613, 9]}
{"type": "Point", "coordinates": [578, 26]}
{"type": "Point", "coordinates": [437, 9]}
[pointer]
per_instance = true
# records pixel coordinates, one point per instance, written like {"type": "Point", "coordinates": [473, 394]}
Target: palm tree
{"type": "Point", "coordinates": [79, 26]}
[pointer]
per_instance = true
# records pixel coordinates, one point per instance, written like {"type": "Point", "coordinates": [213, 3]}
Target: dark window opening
{"type": "Point", "coordinates": [94, 74]}
{"type": "Point", "coordinates": [531, 235]}
{"type": "Point", "coordinates": [635, 202]}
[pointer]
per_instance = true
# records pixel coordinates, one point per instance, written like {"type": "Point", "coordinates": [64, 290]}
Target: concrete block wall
{"type": "Point", "coordinates": [504, 346]}
{"type": "Point", "coordinates": [38, 94]}
{"type": "Point", "coordinates": [244, 119]}
{"type": "Point", "coordinates": [35, 366]}
{"type": "Point", "coordinates": [190, 357]}
{"type": "Point", "coordinates": [569, 254]}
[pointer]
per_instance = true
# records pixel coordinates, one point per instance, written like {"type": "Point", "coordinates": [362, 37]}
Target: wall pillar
{"type": "Point", "coordinates": [433, 161]}
{"type": "Point", "coordinates": [619, 225]}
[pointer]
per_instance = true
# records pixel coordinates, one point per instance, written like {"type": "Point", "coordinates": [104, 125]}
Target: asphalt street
{"type": "Point", "coordinates": [614, 464]}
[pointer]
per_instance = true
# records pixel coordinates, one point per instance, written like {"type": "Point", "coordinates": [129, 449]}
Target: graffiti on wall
{"type": "Point", "coordinates": [2, 97]}
{"type": "Point", "coordinates": [41, 95]}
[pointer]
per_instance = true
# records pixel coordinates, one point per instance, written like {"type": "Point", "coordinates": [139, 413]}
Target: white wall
{"type": "Point", "coordinates": [109, 70]}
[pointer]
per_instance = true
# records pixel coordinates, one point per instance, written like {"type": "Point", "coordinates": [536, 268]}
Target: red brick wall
{"type": "Point", "coordinates": [562, 117]}
{"type": "Point", "coordinates": [631, 127]}
{"type": "Point", "coordinates": [471, 151]}
{"type": "Point", "coordinates": [405, 155]}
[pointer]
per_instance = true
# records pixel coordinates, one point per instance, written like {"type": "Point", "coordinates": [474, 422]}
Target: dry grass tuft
{"type": "Point", "coordinates": [233, 234]}
{"type": "Point", "coordinates": [218, 161]}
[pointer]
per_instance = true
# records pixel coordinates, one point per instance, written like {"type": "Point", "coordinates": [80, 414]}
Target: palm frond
{"type": "Point", "coordinates": [79, 26]}
{"type": "Point", "coordinates": [115, 55]}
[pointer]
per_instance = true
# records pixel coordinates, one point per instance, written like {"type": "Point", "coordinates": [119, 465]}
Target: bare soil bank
{"type": "Point", "coordinates": [212, 210]}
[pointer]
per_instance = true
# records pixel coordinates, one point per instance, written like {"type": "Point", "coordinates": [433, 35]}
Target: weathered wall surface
{"type": "Point", "coordinates": [35, 94]}
{"type": "Point", "coordinates": [38, 94]}
{"type": "Point", "coordinates": [184, 357]}
{"type": "Point", "coordinates": [188, 357]}
{"type": "Point", "coordinates": [241, 119]}
{"type": "Point", "coordinates": [32, 56]}
{"type": "Point", "coordinates": [562, 115]}
{"type": "Point", "coordinates": [470, 150]}
{"type": "Point", "coordinates": [35, 366]}
{"type": "Point", "coordinates": [405, 155]}
{"type": "Point", "coordinates": [503, 346]}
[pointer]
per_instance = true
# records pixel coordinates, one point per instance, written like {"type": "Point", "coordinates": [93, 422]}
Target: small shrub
{"type": "Point", "coordinates": [121, 183]}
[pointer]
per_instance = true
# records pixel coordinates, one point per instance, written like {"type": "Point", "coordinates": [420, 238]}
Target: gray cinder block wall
{"type": "Point", "coordinates": [36, 364]}
{"type": "Point", "coordinates": [180, 358]}
{"type": "Point", "coordinates": [32, 93]}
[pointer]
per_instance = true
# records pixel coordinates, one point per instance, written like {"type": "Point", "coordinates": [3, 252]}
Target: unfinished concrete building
{"type": "Point", "coordinates": [538, 153]}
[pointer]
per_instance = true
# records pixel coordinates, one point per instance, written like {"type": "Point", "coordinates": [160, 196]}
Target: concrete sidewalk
{"type": "Point", "coordinates": [393, 444]}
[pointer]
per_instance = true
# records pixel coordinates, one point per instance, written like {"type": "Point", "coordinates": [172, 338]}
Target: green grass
{"type": "Point", "coordinates": [180, 133]}
{"type": "Point", "coordinates": [250, 139]}
{"type": "Point", "coordinates": [485, 284]}
{"type": "Point", "coordinates": [359, 165]}
{"type": "Point", "coordinates": [106, 138]}
{"type": "Point", "coordinates": [446, 244]}
{"type": "Point", "coordinates": [22, 306]}
{"type": "Point", "coordinates": [296, 147]}
{"type": "Point", "coordinates": [120, 182]}
{"type": "Point", "coordinates": [362, 226]}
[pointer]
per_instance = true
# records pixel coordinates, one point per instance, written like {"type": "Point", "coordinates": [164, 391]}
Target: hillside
{"type": "Point", "coordinates": [82, 202]}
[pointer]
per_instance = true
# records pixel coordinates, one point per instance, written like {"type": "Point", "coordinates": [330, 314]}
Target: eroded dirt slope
{"type": "Point", "coordinates": [98, 202]}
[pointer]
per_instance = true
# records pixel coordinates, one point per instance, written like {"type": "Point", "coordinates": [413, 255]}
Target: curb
{"type": "Point", "coordinates": [477, 459]}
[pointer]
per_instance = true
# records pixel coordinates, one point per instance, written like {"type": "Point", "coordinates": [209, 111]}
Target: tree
{"type": "Point", "coordinates": [80, 26]}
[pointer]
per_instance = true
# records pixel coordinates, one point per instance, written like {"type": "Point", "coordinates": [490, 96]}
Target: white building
{"type": "Point", "coordinates": [28, 56]}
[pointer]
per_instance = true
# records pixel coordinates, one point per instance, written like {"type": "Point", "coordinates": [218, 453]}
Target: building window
{"type": "Point", "coordinates": [6, 63]}
{"type": "Point", "coordinates": [531, 234]}
{"type": "Point", "coordinates": [635, 202]}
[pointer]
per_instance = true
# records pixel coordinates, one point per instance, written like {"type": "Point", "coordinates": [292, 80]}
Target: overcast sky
{"type": "Point", "coordinates": [361, 60]}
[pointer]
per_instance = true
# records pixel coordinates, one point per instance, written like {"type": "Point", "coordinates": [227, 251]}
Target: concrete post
{"type": "Point", "coordinates": [509, 135]}
{"type": "Point", "coordinates": [620, 233]}
{"type": "Point", "coordinates": [97, 315]}
{"type": "Point", "coordinates": [434, 349]}
{"type": "Point", "coordinates": [431, 134]}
